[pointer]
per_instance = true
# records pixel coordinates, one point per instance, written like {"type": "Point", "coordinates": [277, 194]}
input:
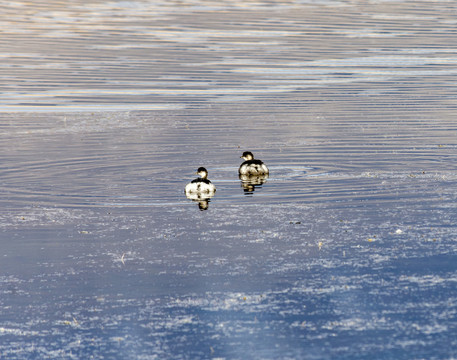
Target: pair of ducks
{"type": "Point", "coordinates": [250, 167]}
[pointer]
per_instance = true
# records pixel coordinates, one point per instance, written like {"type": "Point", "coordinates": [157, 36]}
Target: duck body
{"type": "Point", "coordinates": [200, 185]}
{"type": "Point", "coordinates": [251, 166]}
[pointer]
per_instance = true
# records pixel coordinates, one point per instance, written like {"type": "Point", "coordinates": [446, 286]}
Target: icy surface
{"type": "Point", "coordinates": [347, 251]}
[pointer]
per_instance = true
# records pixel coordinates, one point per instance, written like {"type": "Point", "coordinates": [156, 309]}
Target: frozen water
{"type": "Point", "coordinates": [347, 250]}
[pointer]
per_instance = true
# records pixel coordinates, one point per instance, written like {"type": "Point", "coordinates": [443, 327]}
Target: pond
{"type": "Point", "coordinates": [346, 250]}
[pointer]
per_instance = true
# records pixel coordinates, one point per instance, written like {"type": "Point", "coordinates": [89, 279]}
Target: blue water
{"type": "Point", "coordinates": [346, 251]}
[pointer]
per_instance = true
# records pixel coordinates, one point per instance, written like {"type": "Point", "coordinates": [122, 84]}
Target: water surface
{"type": "Point", "coordinates": [347, 250]}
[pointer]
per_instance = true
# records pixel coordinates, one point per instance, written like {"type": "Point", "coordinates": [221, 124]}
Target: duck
{"type": "Point", "coordinates": [200, 185]}
{"type": "Point", "coordinates": [251, 166]}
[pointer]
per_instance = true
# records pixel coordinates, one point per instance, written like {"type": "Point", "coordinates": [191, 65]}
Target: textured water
{"type": "Point", "coordinates": [347, 250]}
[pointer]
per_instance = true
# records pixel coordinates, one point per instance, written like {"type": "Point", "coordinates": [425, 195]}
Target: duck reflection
{"type": "Point", "coordinates": [201, 199]}
{"type": "Point", "coordinates": [250, 182]}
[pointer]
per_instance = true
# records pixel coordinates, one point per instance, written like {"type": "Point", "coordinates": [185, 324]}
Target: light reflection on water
{"type": "Point", "coordinates": [142, 55]}
{"type": "Point", "coordinates": [119, 159]}
{"type": "Point", "coordinates": [108, 108]}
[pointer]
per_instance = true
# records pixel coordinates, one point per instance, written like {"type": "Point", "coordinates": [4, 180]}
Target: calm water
{"type": "Point", "coordinates": [347, 251]}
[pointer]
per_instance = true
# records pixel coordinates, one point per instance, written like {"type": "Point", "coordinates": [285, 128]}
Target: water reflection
{"type": "Point", "coordinates": [250, 182]}
{"type": "Point", "coordinates": [202, 199]}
